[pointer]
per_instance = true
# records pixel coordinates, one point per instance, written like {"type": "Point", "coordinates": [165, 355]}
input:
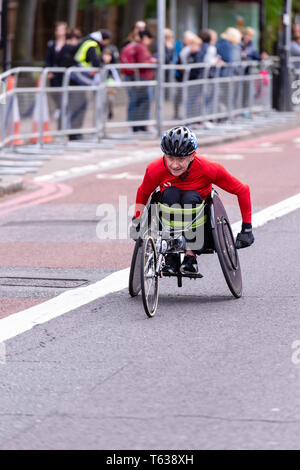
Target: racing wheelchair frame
{"type": "Point", "coordinates": [159, 236]}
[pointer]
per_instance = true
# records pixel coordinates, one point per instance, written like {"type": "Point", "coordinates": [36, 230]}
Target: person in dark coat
{"type": "Point", "coordinates": [53, 49]}
{"type": "Point", "coordinates": [249, 51]}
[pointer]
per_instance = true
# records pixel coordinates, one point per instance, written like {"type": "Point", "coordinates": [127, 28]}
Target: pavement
{"type": "Point", "coordinates": [208, 134]}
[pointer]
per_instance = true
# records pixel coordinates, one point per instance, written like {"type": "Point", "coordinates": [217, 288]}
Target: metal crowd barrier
{"type": "Point", "coordinates": [92, 104]}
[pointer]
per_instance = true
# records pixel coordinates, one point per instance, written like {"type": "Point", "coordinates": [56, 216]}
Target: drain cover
{"type": "Point", "coordinates": [42, 282]}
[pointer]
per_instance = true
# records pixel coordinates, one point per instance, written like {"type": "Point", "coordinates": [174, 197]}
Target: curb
{"type": "Point", "coordinates": [10, 184]}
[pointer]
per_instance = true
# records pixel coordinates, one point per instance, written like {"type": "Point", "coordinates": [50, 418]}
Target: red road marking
{"type": "Point", "coordinates": [63, 191]}
{"type": "Point", "coordinates": [9, 305]}
{"type": "Point", "coordinates": [106, 254]}
{"type": "Point", "coordinates": [46, 188]}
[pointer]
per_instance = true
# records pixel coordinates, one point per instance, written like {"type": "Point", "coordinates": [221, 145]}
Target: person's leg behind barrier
{"type": "Point", "coordinates": [78, 102]}
{"type": "Point", "coordinates": [131, 98]}
{"type": "Point", "coordinates": [141, 106]}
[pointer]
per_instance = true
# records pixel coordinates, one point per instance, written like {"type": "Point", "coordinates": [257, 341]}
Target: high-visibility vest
{"type": "Point", "coordinates": [80, 55]}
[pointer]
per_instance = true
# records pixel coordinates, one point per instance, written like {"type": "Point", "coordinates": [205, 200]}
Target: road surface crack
{"type": "Point", "coordinates": [110, 376]}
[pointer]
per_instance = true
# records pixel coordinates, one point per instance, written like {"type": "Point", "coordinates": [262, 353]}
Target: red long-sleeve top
{"type": "Point", "coordinates": [202, 173]}
{"type": "Point", "coordinates": [143, 56]}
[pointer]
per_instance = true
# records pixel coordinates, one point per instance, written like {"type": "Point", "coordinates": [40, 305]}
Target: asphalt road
{"type": "Point", "coordinates": [208, 372]}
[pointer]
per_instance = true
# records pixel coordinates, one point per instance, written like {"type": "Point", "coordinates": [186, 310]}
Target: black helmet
{"type": "Point", "coordinates": [179, 142]}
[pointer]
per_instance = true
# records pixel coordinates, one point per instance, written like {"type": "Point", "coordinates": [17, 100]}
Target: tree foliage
{"type": "Point", "coordinates": [82, 4]}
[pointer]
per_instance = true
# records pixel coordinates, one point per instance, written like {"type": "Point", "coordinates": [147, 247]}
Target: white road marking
{"type": "Point", "coordinates": [262, 149]}
{"type": "Point", "coordinates": [119, 176]}
{"type": "Point", "coordinates": [265, 144]}
{"type": "Point", "coordinates": [137, 156]}
{"type": "Point", "coordinates": [25, 320]}
{"type": "Point", "coordinates": [224, 157]}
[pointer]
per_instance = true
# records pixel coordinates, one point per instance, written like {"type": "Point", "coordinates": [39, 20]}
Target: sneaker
{"type": "Point", "coordinates": [189, 265]}
{"type": "Point", "coordinates": [171, 266]}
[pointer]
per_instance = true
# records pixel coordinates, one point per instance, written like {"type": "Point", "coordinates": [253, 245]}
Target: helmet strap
{"type": "Point", "coordinates": [187, 172]}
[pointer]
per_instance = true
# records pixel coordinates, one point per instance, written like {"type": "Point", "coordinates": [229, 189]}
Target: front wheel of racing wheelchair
{"type": "Point", "coordinates": [151, 248]}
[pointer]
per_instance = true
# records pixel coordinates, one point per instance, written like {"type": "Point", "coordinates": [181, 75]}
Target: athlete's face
{"type": "Point", "coordinates": [178, 165]}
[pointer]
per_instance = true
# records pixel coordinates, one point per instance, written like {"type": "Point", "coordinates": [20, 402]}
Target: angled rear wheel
{"type": "Point", "coordinates": [225, 247]}
{"type": "Point", "coordinates": [135, 269]}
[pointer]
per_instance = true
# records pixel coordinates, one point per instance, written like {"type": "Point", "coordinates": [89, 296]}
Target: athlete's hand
{"type": "Point", "coordinates": [134, 229]}
{"type": "Point", "coordinates": [245, 238]}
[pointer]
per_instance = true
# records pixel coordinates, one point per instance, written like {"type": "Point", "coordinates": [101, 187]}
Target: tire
{"type": "Point", "coordinates": [225, 247]}
{"type": "Point", "coordinates": [135, 269]}
{"type": "Point", "coordinates": [149, 280]}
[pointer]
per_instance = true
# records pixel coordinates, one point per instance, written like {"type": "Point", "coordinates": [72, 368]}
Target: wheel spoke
{"type": "Point", "coordinates": [151, 283]}
{"type": "Point", "coordinates": [149, 279]}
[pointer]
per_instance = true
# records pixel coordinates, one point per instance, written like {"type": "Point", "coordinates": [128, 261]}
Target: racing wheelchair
{"type": "Point", "coordinates": [161, 233]}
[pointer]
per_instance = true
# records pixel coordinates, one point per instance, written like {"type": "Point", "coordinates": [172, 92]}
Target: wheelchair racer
{"type": "Point", "coordinates": [186, 178]}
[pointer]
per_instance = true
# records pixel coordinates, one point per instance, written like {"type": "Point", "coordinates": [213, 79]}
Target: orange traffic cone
{"type": "Point", "coordinates": [37, 114]}
{"type": "Point", "coordinates": [16, 113]}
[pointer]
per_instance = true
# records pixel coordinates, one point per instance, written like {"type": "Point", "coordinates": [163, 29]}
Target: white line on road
{"type": "Point", "coordinates": [137, 156]}
{"type": "Point", "coordinates": [224, 157]}
{"type": "Point", "coordinates": [25, 320]}
{"type": "Point", "coordinates": [119, 176]}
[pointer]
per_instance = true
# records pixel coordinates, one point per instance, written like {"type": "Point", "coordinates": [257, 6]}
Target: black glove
{"type": "Point", "coordinates": [134, 230]}
{"type": "Point", "coordinates": [245, 237]}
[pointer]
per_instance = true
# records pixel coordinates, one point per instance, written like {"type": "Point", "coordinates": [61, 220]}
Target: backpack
{"type": "Point", "coordinates": [127, 56]}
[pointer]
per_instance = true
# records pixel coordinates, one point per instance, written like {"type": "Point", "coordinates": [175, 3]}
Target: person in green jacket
{"type": "Point", "coordinates": [88, 54]}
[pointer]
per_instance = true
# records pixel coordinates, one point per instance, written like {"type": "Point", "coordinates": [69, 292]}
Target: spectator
{"type": "Point", "coordinates": [112, 81]}
{"type": "Point", "coordinates": [229, 50]}
{"type": "Point", "coordinates": [53, 49]}
{"type": "Point", "coordinates": [210, 37]}
{"type": "Point", "coordinates": [106, 41]}
{"type": "Point", "coordinates": [194, 91]}
{"type": "Point", "coordinates": [188, 38]}
{"type": "Point", "coordinates": [249, 52]}
{"type": "Point", "coordinates": [169, 57]}
{"type": "Point", "coordinates": [295, 44]}
{"type": "Point", "coordinates": [143, 93]}
{"type": "Point", "coordinates": [88, 54]}
{"type": "Point", "coordinates": [211, 58]}
{"type": "Point", "coordinates": [228, 46]}
{"type": "Point", "coordinates": [295, 52]}
{"type": "Point", "coordinates": [169, 50]}
{"type": "Point", "coordinates": [138, 27]}
{"type": "Point", "coordinates": [65, 58]}
{"type": "Point", "coordinates": [169, 46]}
{"type": "Point", "coordinates": [195, 56]}
{"type": "Point", "coordinates": [182, 51]}
{"type": "Point", "coordinates": [182, 43]}
{"type": "Point", "coordinates": [128, 56]}
{"type": "Point", "coordinates": [295, 30]}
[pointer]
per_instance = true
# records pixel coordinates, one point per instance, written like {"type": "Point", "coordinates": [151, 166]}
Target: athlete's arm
{"type": "Point", "coordinates": [229, 183]}
{"type": "Point", "coordinates": [143, 193]}
{"type": "Point", "coordinates": [222, 178]}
